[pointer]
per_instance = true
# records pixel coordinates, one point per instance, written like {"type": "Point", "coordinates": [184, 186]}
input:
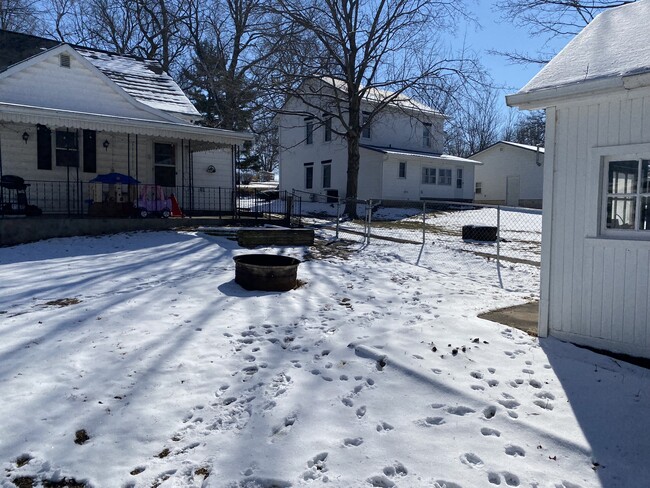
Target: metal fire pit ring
{"type": "Point", "coordinates": [266, 272]}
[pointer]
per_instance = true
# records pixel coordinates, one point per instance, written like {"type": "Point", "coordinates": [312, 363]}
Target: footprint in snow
{"type": "Point", "coordinates": [460, 410]}
{"type": "Point", "coordinates": [515, 451]}
{"type": "Point", "coordinates": [487, 432]}
{"type": "Point", "coordinates": [361, 411]}
{"type": "Point", "coordinates": [384, 427]}
{"type": "Point", "coordinates": [397, 469]}
{"type": "Point", "coordinates": [380, 482]}
{"type": "Point", "coordinates": [472, 460]}
{"type": "Point", "coordinates": [352, 441]}
{"type": "Point", "coordinates": [510, 478]}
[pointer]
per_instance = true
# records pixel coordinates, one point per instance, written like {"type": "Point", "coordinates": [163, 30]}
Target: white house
{"type": "Point", "coordinates": [511, 174]}
{"type": "Point", "coordinates": [401, 153]}
{"type": "Point", "coordinates": [70, 113]}
{"type": "Point", "coordinates": [596, 223]}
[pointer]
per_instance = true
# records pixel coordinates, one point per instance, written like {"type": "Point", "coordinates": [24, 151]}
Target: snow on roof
{"type": "Point", "coordinates": [515, 144]}
{"type": "Point", "coordinates": [615, 44]}
{"type": "Point", "coordinates": [375, 95]}
{"type": "Point", "coordinates": [144, 80]}
{"type": "Point", "coordinates": [419, 154]}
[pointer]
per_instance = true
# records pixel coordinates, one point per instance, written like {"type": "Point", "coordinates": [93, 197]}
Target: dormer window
{"type": "Point", "coordinates": [64, 60]}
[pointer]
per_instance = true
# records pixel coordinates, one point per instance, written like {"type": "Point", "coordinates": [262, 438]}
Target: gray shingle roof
{"type": "Point", "coordinates": [143, 79]}
{"type": "Point", "coordinates": [616, 43]}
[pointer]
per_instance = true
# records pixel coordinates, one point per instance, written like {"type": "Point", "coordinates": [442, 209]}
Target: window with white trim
{"type": "Point", "coordinates": [328, 129]}
{"type": "Point", "coordinates": [327, 174]}
{"type": "Point", "coordinates": [459, 178]}
{"type": "Point", "coordinates": [309, 176]}
{"type": "Point", "coordinates": [444, 176]}
{"type": "Point", "coordinates": [627, 195]}
{"type": "Point", "coordinates": [426, 135]}
{"type": "Point", "coordinates": [428, 176]}
{"type": "Point", "coordinates": [401, 172]}
{"type": "Point", "coordinates": [478, 187]}
{"type": "Point", "coordinates": [365, 131]}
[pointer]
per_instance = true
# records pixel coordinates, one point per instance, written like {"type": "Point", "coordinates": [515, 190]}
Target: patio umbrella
{"type": "Point", "coordinates": [115, 178]}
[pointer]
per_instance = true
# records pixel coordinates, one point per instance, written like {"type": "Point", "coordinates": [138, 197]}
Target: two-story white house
{"type": "Point", "coordinates": [400, 152]}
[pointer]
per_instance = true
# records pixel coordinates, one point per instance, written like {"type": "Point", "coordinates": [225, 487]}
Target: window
{"type": "Point", "coordinates": [426, 135]}
{"type": "Point", "coordinates": [328, 129]}
{"type": "Point", "coordinates": [444, 177]}
{"type": "Point", "coordinates": [429, 176]}
{"type": "Point", "coordinates": [627, 195]}
{"type": "Point", "coordinates": [478, 188]}
{"type": "Point", "coordinates": [309, 176]}
{"type": "Point", "coordinates": [164, 164]}
{"type": "Point", "coordinates": [43, 147]}
{"type": "Point", "coordinates": [67, 148]}
{"type": "Point", "coordinates": [402, 170]}
{"type": "Point", "coordinates": [309, 131]}
{"type": "Point", "coordinates": [89, 151]}
{"type": "Point", "coordinates": [327, 174]}
{"type": "Point", "coordinates": [459, 178]}
{"type": "Point", "coordinates": [365, 131]}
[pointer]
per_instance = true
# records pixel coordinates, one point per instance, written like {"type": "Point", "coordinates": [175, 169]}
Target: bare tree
{"type": "Point", "coordinates": [550, 19]}
{"type": "Point", "coordinates": [19, 15]}
{"type": "Point", "coordinates": [528, 128]}
{"type": "Point", "coordinates": [152, 29]}
{"type": "Point", "coordinates": [338, 56]}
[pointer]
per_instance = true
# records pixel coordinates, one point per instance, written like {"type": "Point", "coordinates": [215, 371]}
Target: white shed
{"type": "Point", "coordinates": [596, 223]}
{"type": "Point", "coordinates": [511, 174]}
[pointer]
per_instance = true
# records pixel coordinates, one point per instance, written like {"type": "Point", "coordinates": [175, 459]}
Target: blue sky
{"type": "Point", "coordinates": [496, 34]}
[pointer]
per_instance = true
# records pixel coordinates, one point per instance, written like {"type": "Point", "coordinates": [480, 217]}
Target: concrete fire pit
{"type": "Point", "coordinates": [266, 272]}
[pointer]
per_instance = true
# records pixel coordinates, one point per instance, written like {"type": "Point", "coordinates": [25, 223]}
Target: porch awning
{"type": "Point", "coordinates": [26, 114]}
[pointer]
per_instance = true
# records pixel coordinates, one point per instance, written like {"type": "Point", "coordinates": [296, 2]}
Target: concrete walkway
{"type": "Point", "coordinates": [522, 317]}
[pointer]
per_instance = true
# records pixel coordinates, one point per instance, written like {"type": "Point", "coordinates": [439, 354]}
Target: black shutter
{"type": "Point", "coordinates": [44, 147]}
{"type": "Point", "coordinates": [90, 151]}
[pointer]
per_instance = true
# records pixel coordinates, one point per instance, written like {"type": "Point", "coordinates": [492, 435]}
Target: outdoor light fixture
{"type": "Point", "coordinates": [211, 169]}
{"type": "Point", "coordinates": [25, 137]}
{"type": "Point", "coordinates": [106, 144]}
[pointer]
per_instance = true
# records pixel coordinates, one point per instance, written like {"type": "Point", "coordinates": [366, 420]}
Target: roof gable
{"type": "Point", "coordinates": [144, 81]}
{"type": "Point", "coordinates": [615, 44]}
{"type": "Point", "coordinates": [40, 81]}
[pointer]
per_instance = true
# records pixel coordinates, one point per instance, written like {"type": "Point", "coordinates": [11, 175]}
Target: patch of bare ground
{"type": "Point", "coordinates": [62, 302]}
{"type": "Point", "coordinates": [323, 249]}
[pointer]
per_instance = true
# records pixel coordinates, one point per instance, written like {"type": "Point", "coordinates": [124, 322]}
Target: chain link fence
{"type": "Point", "coordinates": [482, 240]}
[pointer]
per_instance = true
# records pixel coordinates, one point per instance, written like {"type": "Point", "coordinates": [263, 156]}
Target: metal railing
{"type": "Point", "coordinates": [80, 199]}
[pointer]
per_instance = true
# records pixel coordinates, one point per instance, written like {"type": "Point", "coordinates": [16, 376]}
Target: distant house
{"type": "Point", "coordinates": [511, 174]}
{"type": "Point", "coordinates": [596, 224]}
{"type": "Point", "coordinates": [401, 153]}
{"type": "Point", "coordinates": [69, 113]}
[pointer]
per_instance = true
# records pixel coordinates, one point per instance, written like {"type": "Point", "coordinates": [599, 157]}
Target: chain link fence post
{"type": "Point", "coordinates": [368, 219]}
{"type": "Point", "coordinates": [424, 222]}
{"type": "Point", "coordinates": [338, 217]}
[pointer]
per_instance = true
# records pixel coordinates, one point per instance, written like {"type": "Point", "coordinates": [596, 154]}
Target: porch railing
{"type": "Point", "coordinates": [79, 199]}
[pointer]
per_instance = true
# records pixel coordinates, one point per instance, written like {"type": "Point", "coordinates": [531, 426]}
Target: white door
{"type": "Point", "coordinates": [512, 191]}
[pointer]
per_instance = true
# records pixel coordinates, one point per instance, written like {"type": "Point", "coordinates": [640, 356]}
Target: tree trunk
{"type": "Point", "coordinates": [353, 177]}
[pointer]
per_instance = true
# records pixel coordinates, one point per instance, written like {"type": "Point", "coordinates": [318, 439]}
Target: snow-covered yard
{"type": "Point", "coordinates": [135, 360]}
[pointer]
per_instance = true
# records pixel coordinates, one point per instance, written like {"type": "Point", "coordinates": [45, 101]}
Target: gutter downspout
{"type": "Point", "coordinates": [547, 221]}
